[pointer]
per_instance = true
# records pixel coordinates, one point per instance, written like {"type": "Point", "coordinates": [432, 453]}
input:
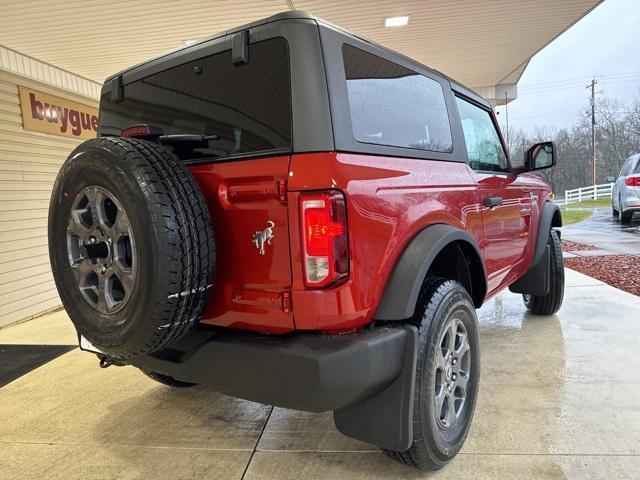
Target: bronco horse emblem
{"type": "Point", "coordinates": [263, 236]}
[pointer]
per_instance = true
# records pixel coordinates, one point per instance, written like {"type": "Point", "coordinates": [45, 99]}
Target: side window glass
{"type": "Point", "coordinates": [626, 168]}
{"type": "Point", "coordinates": [484, 147]}
{"type": "Point", "coordinates": [637, 169]}
{"type": "Point", "coordinates": [394, 106]}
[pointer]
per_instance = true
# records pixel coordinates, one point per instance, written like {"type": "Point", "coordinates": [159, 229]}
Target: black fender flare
{"type": "Point", "coordinates": [550, 216]}
{"type": "Point", "coordinates": [403, 286]}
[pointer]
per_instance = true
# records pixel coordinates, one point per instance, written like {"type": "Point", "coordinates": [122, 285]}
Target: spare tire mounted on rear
{"type": "Point", "coordinates": [131, 245]}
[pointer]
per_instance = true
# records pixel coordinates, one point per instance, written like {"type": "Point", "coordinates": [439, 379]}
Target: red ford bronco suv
{"type": "Point", "coordinates": [303, 218]}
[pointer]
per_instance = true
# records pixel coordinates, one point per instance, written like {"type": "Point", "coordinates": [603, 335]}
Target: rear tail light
{"type": "Point", "coordinates": [325, 244]}
{"type": "Point", "coordinates": [632, 181]}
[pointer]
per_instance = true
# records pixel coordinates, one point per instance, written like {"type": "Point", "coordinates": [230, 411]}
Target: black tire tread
{"type": "Point", "coordinates": [192, 255]}
{"type": "Point", "coordinates": [434, 290]}
{"type": "Point", "coordinates": [187, 250]}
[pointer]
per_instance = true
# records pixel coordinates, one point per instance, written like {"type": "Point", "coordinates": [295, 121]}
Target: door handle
{"type": "Point", "coordinates": [492, 201]}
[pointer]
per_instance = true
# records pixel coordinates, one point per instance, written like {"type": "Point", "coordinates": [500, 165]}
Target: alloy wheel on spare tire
{"type": "Point", "coordinates": [131, 245]}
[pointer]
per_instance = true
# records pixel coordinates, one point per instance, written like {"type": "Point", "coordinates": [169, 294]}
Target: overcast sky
{"type": "Point", "coordinates": [604, 44]}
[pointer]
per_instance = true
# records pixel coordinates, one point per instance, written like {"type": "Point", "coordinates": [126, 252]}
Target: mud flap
{"type": "Point", "coordinates": [385, 420]}
{"type": "Point", "coordinates": [536, 280]}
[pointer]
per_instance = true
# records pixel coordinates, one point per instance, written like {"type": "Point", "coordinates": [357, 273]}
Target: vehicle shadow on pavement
{"type": "Point", "coordinates": [197, 417]}
{"type": "Point", "coordinates": [517, 411]}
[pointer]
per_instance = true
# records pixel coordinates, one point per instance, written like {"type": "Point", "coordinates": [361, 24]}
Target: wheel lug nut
{"type": "Point", "coordinates": [453, 376]}
{"type": "Point", "coordinates": [103, 269]}
{"type": "Point", "coordinates": [454, 361]}
{"type": "Point", "coordinates": [92, 240]}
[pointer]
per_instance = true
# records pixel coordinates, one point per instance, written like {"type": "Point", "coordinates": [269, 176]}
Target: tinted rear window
{"type": "Point", "coordinates": [248, 105]}
{"type": "Point", "coordinates": [394, 106]}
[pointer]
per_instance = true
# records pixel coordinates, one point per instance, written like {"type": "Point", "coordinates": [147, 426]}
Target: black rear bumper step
{"type": "Point", "coordinates": [302, 371]}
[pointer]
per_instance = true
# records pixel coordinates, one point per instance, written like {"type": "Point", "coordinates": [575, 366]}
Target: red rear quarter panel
{"type": "Point", "coordinates": [389, 200]}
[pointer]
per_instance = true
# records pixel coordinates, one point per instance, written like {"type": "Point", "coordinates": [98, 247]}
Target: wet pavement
{"type": "Point", "coordinates": [559, 399]}
{"type": "Point", "coordinates": [602, 231]}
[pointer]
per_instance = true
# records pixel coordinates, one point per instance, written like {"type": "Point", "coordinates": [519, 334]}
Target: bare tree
{"type": "Point", "coordinates": [617, 137]}
{"type": "Point", "coordinates": [614, 142]}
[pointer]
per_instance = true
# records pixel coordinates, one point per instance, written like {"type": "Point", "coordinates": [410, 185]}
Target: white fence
{"type": "Point", "coordinates": [586, 193]}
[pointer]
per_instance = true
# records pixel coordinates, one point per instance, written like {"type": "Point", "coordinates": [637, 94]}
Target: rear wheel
{"type": "Point", "coordinates": [167, 379]}
{"type": "Point", "coordinates": [447, 374]}
{"type": "Point", "coordinates": [130, 244]}
{"type": "Point", "coordinates": [550, 303]}
{"type": "Point", "coordinates": [625, 217]}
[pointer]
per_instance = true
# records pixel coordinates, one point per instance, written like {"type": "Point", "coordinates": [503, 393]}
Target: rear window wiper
{"type": "Point", "coordinates": [187, 140]}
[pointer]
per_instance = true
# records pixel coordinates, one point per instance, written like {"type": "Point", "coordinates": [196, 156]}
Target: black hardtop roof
{"type": "Point", "coordinates": [299, 15]}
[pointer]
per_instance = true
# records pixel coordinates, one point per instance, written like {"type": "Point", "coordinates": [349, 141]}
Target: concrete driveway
{"type": "Point", "coordinates": [601, 230]}
{"type": "Point", "coordinates": [559, 398]}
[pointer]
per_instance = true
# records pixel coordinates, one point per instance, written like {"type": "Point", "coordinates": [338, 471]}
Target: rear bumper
{"type": "Point", "coordinates": [634, 207]}
{"type": "Point", "coordinates": [631, 200]}
{"type": "Point", "coordinates": [302, 371]}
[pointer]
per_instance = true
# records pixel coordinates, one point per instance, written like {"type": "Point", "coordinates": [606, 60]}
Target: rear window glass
{"type": "Point", "coordinates": [394, 106]}
{"type": "Point", "coordinates": [248, 106]}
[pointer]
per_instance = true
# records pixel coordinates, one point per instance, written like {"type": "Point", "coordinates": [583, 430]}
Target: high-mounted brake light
{"type": "Point", "coordinates": [141, 130]}
{"type": "Point", "coordinates": [325, 244]}
{"type": "Point", "coordinates": [632, 181]}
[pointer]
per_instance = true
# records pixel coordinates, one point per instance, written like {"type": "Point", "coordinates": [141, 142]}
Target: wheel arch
{"type": "Point", "coordinates": [550, 217]}
{"type": "Point", "coordinates": [535, 280]}
{"type": "Point", "coordinates": [556, 220]}
{"type": "Point", "coordinates": [433, 249]}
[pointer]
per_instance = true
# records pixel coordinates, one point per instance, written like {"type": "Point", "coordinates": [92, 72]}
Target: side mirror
{"type": "Point", "coordinates": [611, 179]}
{"type": "Point", "coordinates": [541, 155]}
